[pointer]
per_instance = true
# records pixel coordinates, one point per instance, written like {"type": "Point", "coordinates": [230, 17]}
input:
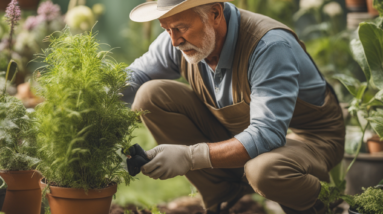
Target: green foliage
{"type": "Point", "coordinates": [330, 193]}
{"type": "Point", "coordinates": [378, 4]}
{"type": "Point", "coordinates": [371, 38]}
{"type": "Point", "coordinates": [83, 122]}
{"type": "Point", "coordinates": [368, 52]}
{"type": "Point", "coordinates": [281, 10]}
{"type": "Point", "coordinates": [17, 133]}
{"type": "Point", "coordinates": [370, 201]}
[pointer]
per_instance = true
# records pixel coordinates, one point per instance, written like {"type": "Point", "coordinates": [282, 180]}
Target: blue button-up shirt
{"type": "Point", "coordinates": [279, 72]}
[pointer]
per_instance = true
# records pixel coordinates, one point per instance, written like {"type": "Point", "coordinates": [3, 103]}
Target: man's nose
{"type": "Point", "coordinates": [176, 39]}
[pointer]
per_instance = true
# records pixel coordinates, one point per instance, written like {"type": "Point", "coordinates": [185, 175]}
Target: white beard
{"type": "Point", "coordinates": [208, 45]}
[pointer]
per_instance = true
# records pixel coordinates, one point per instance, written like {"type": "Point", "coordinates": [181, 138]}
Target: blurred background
{"type": "Point", "coordinates": [326, 26]}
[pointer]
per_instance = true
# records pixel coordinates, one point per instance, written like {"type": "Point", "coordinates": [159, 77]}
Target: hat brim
{"type": "Point", "coordinates": [148, 11]}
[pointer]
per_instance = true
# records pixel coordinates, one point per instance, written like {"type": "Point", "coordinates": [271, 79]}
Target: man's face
{"type": "Point", "coordinates": [195, 38]}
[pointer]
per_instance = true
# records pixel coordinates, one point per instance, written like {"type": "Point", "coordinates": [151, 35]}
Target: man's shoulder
{"type": "Point", "coordinates": [277, 36]}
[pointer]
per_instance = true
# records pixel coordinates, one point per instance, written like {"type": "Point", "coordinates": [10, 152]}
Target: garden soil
{"type": "Point", "coordinates": [190, 205]}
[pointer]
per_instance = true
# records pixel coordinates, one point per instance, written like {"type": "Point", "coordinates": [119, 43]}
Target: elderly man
{"type": "Point", "coordinates": [251, 80]}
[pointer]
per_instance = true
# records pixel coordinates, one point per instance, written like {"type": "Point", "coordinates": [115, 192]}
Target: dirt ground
{"type": "Point", "coordinates": [192, 205]}
{"type": "Point", "coordinates": [188, 205]}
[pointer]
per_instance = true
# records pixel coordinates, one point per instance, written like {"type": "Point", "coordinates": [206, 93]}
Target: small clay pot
{"type": "Point", "coordinates": [356, 5]}
{"type": "Point", "coordinates": [374, 144]}
{"type": "Point", "coordinates": [23, 195]}
{"type": "Point", "coordinates": [77, 201]}
{"type": "Point", "coordinates": [371, 10]}
{"type": "Point", "coordinates": [24, 4]}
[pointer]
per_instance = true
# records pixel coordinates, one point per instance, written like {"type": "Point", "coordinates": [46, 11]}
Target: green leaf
{"type": "Point", "coordinates": [354, 107]}
{"type": "Point", "coordinates": [360, 57]}
{"type": "Point", "coordinates": [348, 198]}
{"type": "Point", "coordinates": [349, 82]}
{"type": "Point", "coordinates": [361, 90]}
{"type": "Point", "coordinates": [376, 121]}
{"type": "Point", "coordinates": [377, 100]}
{"type": "Point", "coordinates": [371, 38]}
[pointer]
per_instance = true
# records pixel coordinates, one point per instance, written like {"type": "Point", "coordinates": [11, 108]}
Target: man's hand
{"type": "Point", "coordinates": [168, 161]}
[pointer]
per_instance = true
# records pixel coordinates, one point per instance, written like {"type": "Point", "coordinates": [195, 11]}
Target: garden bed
{"type": "Point", "coordinates": [192, 205]}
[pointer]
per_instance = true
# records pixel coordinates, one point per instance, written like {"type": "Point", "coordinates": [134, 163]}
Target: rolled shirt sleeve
{"type": "Point", "coordinates": [274, 91]}
{"type": "Point", "coordinates": [160, 62]}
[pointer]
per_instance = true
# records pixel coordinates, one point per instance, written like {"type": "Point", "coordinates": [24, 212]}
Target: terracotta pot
{"type": "Point", "coordinates": [374, 144]}
{"type": "Point", "coordinates": [24, 4]}
{"type": "Point", "coordinates": [77, 201]}
{"type": "Point", "coordinates": [371, 10]}
{"type": "Point", "coordinates": [356, 5]}
{"type": "Point", "coordinates": [23, 195]}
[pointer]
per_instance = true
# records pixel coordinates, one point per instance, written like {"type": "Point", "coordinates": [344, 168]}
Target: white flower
{"type": "Point", "coordinates": [307, 4]}
{"type": "Point", "coordinates": [333, 9]}
{"type": "Point", "coordinates": [80, 18]}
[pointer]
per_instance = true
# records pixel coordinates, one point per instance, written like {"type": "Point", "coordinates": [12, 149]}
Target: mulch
{"type": "Point", "coordinates": [188, 205]}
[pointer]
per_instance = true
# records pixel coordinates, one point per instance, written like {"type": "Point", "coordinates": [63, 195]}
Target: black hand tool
{"type": "Point", "coordinates": [136, 159]}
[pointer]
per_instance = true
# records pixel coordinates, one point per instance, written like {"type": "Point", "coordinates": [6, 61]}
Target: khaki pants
{"type": "Point", "coordinates": [289, 175]}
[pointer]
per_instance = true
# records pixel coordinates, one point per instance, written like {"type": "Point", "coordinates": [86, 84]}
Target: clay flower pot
{"type": "Point", "coordinates": [23, 194]}
{"type": "Point", "coordinates": [24, 4]}
{"type": "Point", "coordinates": [77, 201]}
{"type": "Point", "coordinates": [371, 10]}
{"type": "Point", "coordinates": [356, 5]}
{"type": "Point", "coordinates": [374, 144]}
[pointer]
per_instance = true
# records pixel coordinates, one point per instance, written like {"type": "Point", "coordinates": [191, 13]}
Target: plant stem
{"type": "Point", "coordinates": [359, 146]}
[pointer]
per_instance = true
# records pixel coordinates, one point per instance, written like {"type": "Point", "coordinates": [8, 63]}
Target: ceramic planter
{"type": "Point", "coordinates": [366, 171]}
{"type": "Point", "coordinates": [356, 5]}
{"type": "Point", "coordinates": [77, 201]}
{"type": "Point", "coordinates": [375, 145]}
{"type": "Point", "coordinates": [24, 4]}
{"type": "Point", "coordinates": [23, 194]}
{"type": "Point", "coordinates": [371, 10]}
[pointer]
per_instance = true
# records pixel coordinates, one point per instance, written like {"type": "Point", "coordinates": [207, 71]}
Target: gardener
{"type": "Point", "coordinates": [251, 79]}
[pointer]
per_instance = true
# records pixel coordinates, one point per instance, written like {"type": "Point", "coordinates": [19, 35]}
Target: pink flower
{"type": "Point", "coordinates": [32, 22]}
{"type": "Point", "coordinates": [49, 11]}
{"type": "Point", "coordinates": [13, 13]}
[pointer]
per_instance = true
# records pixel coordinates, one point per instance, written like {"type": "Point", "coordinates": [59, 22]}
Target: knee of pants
{"type": "Point", "coordinates": [148, 93]}
{"type": "Point", "coordinates": [270, 172]}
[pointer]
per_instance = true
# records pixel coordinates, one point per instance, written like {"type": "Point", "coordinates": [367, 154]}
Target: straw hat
{"type": "Point", "coordinates": [164, 8]}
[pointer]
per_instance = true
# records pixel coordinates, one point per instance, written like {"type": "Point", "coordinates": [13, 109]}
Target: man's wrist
{"type": "Point", "coordinates": [200, 156]}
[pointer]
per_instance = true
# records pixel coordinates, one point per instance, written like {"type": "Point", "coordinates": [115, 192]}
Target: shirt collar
{"type": "Point", "coordinates": [232, 17]}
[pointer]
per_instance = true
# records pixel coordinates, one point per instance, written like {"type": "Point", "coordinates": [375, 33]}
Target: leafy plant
{"type": "Point", "coordinates": [17, 132]}
{"type": "Point", "coordinates": [368, 111]}
{"type": "Point", "coordinates": [330, 193]}
{"type": "Point", "coordinates": [370, 201]}
{"type": "Point", "coordinates": [83, 122]}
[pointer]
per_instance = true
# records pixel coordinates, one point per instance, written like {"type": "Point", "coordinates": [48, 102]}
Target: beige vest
{"type": "Point", "coordinates": [314, 124]}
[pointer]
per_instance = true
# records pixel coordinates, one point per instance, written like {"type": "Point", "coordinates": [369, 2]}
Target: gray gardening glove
{"type": "Point", "coordinates": [169, 161]}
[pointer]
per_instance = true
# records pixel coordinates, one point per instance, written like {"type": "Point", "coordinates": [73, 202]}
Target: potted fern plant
{"type": "Point", "coordinates": [83, 123]}
{"type": "Point", "coordinates": [17, 151]}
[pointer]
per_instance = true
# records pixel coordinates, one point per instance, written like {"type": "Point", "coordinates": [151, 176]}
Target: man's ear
{"type": "Point", "coordinates": [217, 11]}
